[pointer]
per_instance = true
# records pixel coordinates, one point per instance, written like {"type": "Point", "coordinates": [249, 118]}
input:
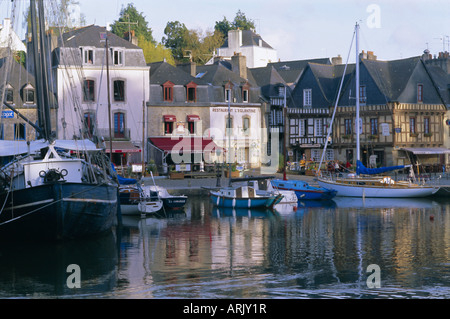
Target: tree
{"type": "Point", "coordinates": [240, 22]}
{"type": "Point", "coordinates": [131, 19]}
{"type": "Point", "coordinates": [176, 39]}
{"type": "Point", "coordinates": [155, 52]}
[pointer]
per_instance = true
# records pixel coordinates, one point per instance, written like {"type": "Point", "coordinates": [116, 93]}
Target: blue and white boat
{"type": "Point", "coordinates": [243, 197]}
{"type": "Point", "coordinates": [303, 190]}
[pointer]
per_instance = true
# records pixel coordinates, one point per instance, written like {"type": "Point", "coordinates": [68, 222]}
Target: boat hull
{"type": "Point", "coordinates": [174, 202]}
{"type": "Point", "coordinates": [378, 191]}
{"type": "Point", "coordinates": [247, 202]}
{"type": "Point", "coordinates": [58, 211]}
{"type": "Point", "coordinates": [304, 191]}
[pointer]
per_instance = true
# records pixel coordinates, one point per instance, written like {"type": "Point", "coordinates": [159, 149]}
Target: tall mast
{"type": "Point", "coordinates": [358, 148]}
{"type": "Point", "coordinates": [37, 70]}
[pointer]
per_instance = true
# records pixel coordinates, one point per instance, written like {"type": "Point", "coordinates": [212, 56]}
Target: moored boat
{"type": "Point", "coordinates": [303, 190]}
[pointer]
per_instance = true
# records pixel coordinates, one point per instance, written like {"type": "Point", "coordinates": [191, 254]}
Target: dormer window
{"type": "Point", "coordinates": [9, 94]}
{"type": "Point", "coordinates": [419, 93]}
{"type": "Point", "coordinates": [245, 93]}
{"type": "Point", "coordinates": [228, 96]}
{"type": "Point", "coordinates": [87, 55]}
{"type": "Point", "coordinates": [168, 91]}
{"type": "Point", "coordinates": [307, 97]}
{"type": "Point", "coordinates": [117, 56]}
{"type": "Point", "coordinates": [191, 92]}
{"type": "Point", "coordinates": [28, 94]}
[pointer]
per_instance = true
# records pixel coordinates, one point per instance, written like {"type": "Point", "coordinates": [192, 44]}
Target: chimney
{"type": "Point", "coordinates": [190, 67]}
{"type": "Point", "coordinates": [336, 60]}
{"type": "Point", "coordinates": [371, 56]}
{"type": "Point", "coordinates": [239, 65]}
{"type": "Point", "coordinates": [131, 37]}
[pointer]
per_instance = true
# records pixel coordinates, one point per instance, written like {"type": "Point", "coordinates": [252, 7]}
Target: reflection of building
{"type": "Point", "coordinates": [81, 81]}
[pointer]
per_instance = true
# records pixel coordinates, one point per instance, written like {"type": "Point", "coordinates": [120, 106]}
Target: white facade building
{"type": "Point", "coordinates": [257, 51]}
{"type": "Point", "coordinates": [81, 80]}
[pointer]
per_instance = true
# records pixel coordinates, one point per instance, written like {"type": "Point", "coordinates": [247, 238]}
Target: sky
{"type": "Point", "coordinates": [302, 29]}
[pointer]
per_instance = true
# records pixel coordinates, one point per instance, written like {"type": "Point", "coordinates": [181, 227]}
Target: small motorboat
{"type": "Point", "coordinates": [169, 201]}
{"type": "Point", "coordinates": [303, 190]}
{"type": "Point", "coordinates": [243, 197]}
{"type": "Point", "coordinates": [138, 200]}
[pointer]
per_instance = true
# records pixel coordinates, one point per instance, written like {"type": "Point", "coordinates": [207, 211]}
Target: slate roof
{"type": "Point", "coordinates": [90, 36]}
{"type": "Point", "coordinates": [268, 79]}
{"type": "Point", "coordinates": [292, 70]}
{"type": "Point", "coordinates": [161, 72]}
{"type": "Point", "coordinates": [250, 38]}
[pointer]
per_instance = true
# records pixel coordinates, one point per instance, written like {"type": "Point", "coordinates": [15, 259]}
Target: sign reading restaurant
{"type": "Point", "coordinates": [234, 110]}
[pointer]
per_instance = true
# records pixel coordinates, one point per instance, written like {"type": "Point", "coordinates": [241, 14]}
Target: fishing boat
{"type": "Point", "coordinates": [149, 201]}
{"type": "Point", "coordinates": [243, 197]}
{"type": "Point", "coordinates": [53, 189]}
{"type": "Point", "coordinates": [170, 201]}
{"type": "Point", "coordinates": [263, 186]}
{"type": "Point", "coordinates": [367, 182]}
{"type": "Point", "coordinates": [303, 190]}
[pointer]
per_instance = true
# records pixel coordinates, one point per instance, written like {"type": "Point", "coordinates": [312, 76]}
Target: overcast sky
{"type": "Point", "coordinates": [302, 29]}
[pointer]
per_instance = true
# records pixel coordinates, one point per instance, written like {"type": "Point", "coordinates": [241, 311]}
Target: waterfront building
{"type": "Point", "coordinates": [402, 113]}
{"type": "Point", "coordinates": [190, 101]}
{"type": "Point", "coordinates": [79, 65]}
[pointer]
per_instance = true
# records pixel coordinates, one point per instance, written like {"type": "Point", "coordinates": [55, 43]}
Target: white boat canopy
{"type": "Point", "coordinates": [11, 148]}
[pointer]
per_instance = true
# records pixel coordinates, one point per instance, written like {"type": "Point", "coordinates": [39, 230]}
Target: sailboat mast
{"type": "Point", "coordinates": [40, 95]}
{"type": "Point", "coordinates": [357, 124]}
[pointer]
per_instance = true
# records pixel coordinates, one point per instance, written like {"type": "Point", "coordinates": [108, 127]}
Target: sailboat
{"type": "Point", "coordinates": [366, 182]}
{"type": "Point", "coordinates": [53, 189]}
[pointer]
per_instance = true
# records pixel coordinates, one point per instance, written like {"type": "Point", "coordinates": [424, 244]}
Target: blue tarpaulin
{"type": "Point", "coordinates": [361, 169]}
{"type": "Point", "coordinates": [124, 180]}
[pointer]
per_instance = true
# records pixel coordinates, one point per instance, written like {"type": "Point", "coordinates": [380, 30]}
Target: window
{"type": "Point", "coordinates": [19, 131]}
{"type": "Point", "coordinates": [117, 56]}
{"type": "Point", "coordinates": [2, 136]}
{"type": "Point", "coordinates": [412, 125]}
{"type": "Point", "coordinates": [89, 121]}
{"type": "Point", "coordinates": [348, 126]}
{"type": "Point", "coordinates": [28, 94]}
{"type": "Point", "coordinates": [89, 91]}
{"type": "Point", "coordinates": [374, 126]}
{"type": "Point", "coordinates": [119, 90]}
{"type": "Point", "coordinates": [307, 97]}
{"type": "Point", "coordinates": [419, 93]}
{"type": "Point", "coordinates": [301, 128]}
{"type": "Point", "coordinates": [245, 96]}
{"type": "Point", "coordinates": [119, 125]}
{"type": "Point", "coordinates": [191, 92]}
{"type": "Point", "coordinates": [168, 123]}
{"type": "Point", "coordinates": [426, 125]}
{"type": "Point", "coordinates": [318, 127]}
{"type": "Point", "coordinates": [192, 119]}
{"type": "Point", "coordinates": [9, 94]}
{"type": "Point", "coordinates": [362, 94]}
{"type": "Point", "coordinates": [87, 55]}
{"type": "Point", "coordinates": [316, 154]}
{"type": "Point", "coordinates": [168, 91]}
{"type": "Point", "coordinates": [246, 125]}
{"type": "Point", "coordinates": [227, 95]}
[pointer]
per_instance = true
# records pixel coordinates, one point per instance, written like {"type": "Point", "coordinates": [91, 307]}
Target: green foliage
{"type": "Point", "coordinates": [240, 22]}
{"type": "Point", "coordinates": [131, 19]}
{"type": "Point", "coordinates": [155, 52]}
{"type": "Point", "coordinates": [176, 39]}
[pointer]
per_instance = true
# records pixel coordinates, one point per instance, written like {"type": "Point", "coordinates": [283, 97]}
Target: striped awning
{"type": "Point", "coordinates": [170, 118]}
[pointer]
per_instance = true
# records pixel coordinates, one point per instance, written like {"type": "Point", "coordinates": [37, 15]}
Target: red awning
{"type": "Point", "coordinates": [170, 118]}
{"type": "Point", "coordinates": [122, 147]}
{"type": "Point", "coordinates": [185, 144]}
{"type": "Point", "coordinates": [193, 118]}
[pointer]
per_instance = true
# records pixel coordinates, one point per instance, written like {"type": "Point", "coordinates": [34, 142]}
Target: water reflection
{"type": "Point", "coordinates": [316, 249]}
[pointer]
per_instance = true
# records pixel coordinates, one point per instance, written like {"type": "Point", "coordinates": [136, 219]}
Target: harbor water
{"type": "Point", "coordinates": [342, 248]}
